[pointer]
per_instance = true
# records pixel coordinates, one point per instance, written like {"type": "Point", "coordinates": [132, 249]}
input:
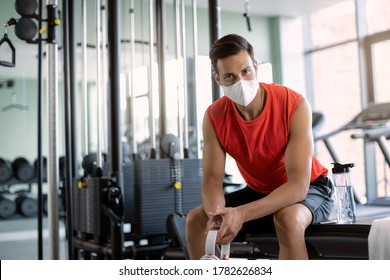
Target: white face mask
{"type": "Point", "coordinates": [242, 92]}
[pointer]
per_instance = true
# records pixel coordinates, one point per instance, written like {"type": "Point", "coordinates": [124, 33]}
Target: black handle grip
{"type": "Point", "coordinates": [8, 42]}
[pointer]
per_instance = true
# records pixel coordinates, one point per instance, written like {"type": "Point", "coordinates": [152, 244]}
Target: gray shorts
{"type": "Point", "coordinates": [319, 201]}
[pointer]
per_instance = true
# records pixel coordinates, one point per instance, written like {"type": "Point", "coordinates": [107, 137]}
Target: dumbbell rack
{"type": "Point", "coordinates": [17, 204]}
{"type": "Point", "coordinates": [21, 203]}
{"type": "Point", "coordinates": [16, 199]}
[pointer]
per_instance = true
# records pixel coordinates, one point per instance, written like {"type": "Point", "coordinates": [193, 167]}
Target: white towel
{"type": "Point", "coordinates": [379, 240]}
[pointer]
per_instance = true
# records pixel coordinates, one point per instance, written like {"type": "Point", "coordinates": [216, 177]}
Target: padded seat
{"type": "Point", "coordinates": [328, 240]}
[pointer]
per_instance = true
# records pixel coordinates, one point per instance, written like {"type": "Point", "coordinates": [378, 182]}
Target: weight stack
{"type": "Point", "coordinates": [192, 176]}
{"type": "Point", "coordinates": [127, 190]}
{"type": "Point", "coordinates": [79, 198]}
{"type": "Point", "coordinates": [88, 215]}
{"type": "Point", "coordinates": [154, 195]}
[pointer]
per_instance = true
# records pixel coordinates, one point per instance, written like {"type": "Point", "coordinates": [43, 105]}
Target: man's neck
{"type": "Point", "coordinates": [255, 108]}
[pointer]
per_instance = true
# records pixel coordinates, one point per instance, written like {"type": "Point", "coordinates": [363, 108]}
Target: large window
{"type": "Point", "coordinates": [335, 79]}
{"type": "Point", "coordinates": [380, 59]}
{"type": "Point", "coordinates": [378, 15]}
{"type": "Point", "coordinates": [333, 24]}
{"type": "Point", "coordinates": [337, 95]}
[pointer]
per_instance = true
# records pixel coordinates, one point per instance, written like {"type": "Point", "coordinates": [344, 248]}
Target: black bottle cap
{"type": "Point", "coordinates": [341, 168]}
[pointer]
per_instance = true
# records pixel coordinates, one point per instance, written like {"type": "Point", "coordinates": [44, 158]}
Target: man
{"type": "Point", "coordinates": [266, 128]}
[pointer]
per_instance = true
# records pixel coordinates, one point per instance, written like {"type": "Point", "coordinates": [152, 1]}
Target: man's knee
{"type": "Point", "coordinates": [196, 218]}
{"type": "Point", "coordinates": [191, 217]}
{"type": "Point", "coordinates": [292, 218]}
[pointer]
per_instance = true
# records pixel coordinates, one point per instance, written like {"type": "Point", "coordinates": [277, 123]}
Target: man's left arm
{"type": "Point", "coordinates": [299, 151]}
{"type": "Point", "coordinates": [298, 160]}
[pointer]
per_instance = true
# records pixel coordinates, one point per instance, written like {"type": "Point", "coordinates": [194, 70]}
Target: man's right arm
{"type": "Point", "coordinates": [213, 169]}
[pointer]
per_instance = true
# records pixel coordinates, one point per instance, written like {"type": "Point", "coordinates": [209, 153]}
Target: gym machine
{"type": "Point", "coordinates": [145, 193]}
{"type": "Point", "coordinates": [374, 125]}
{"type": "Point", "coordinates": [98, 202]}
{"type": "Point", "coordinates": [166, 185]}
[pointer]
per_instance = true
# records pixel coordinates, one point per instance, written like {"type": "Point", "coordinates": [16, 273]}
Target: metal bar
{"type": "Point", "coordinates": [132, 67]}
{"type": "Point", "coordinates": [307, 44]}
{"type": "Point", "coordinates": [329, 46]}
{"type": "Point", "coordinates": [99, 160]}
{"type": "Point", "coordinates": [52, 119]}
{"type": "Point", "coordinates": [128, 80]}
{"type": "Point", "coordinates": [366, 93]}
{"type": "Point", "coordinates": [139, 42]}
{"type": "Point", "coordinates": [362, 35]}
{"type": "Point", "coordinates": [68, 56]}
{"type": "Point", "coordinates": [66, 69]}
{"type": "Point", "coordinates": [150, 82]}
{"type": "Point", "coordinates": [215, 33]}
{"type": "Point", "coordinates": [75, 154]}
{"type": "Point", "coordinates": [382, 142]}
{"type": "Point", "coordinates": [179, 87]}
{"type": "Point", "coordinates": [114, 76]}
{"type": "Point", "coordinates": [185, 85]}
{"type": "Point", "coordinates": [115, 114]}
{"type": "Point", "coordinates": [103, 250]}
{"type": "Point", "coordinates": [161, 26]}
{"type": "Point", "coordinates": [73, 93]}
{"type": "Point", "coordinates": [195, 46]}
{"type": "Point", "coordinates": [104, 84]}
{"type": "Point", "coordinates": [331, 150]}
{"type": "Point", "coordinates": [84, 80]}
{"type": "Point", "coordinates": [370, 170]}
{"type": "Point", "coordinates": [40, 158]}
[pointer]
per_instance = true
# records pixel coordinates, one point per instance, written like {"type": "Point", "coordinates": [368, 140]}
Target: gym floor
{"type": "Point", "coordinates": [19, 239]}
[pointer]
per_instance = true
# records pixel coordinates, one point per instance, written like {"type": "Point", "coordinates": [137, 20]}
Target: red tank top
{"type": "Point", "coordinates": [259, 145]}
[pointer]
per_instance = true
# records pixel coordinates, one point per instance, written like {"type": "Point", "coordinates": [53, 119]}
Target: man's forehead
{"type": "Point", "coordinates": [234, 63]}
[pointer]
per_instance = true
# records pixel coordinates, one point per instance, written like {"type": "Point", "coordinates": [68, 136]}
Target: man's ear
{"type": "Point", "coordinates": [216, 77]}
{"type": "Point", "coordinates": [255, 65]}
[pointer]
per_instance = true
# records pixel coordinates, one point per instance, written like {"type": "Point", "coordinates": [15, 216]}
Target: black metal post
{"type": "Point", "coordinates": [73, 108]}
{"type": "Point", "coordinates": [68, 124]}
{"type": "Point", "coordinates": [114, 110]}
{"type": "Point", "coordinates": [215, 34]}
{"type": "Point", "coordinates": [39, 132]}
{"type": "Point", "coordinates": [73, 91]}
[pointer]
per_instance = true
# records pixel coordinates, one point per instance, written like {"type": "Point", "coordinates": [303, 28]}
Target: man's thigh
{"type": "Point", "coordinates": [244, 196]}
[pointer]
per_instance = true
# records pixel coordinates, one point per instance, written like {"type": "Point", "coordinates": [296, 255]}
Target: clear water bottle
{"type": "Point", "coordinates": [345, 202]}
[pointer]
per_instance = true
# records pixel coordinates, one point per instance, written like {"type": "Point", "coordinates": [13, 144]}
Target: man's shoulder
{"type": "Point", "coordinates": [217, 111]}
{"type": "Point", "coordinates": [279, 91]}
{"type": "Point", "coordinates": [275, 87]}
{"type": "Point", "coordinates": [219, 104]}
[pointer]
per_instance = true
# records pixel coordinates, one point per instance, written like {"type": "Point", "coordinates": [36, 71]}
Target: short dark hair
{"type": "Point", "coordinates": [228, 45]}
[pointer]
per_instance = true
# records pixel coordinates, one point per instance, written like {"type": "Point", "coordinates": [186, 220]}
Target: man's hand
{"type": "Point", "coordinates": [229, 221]}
